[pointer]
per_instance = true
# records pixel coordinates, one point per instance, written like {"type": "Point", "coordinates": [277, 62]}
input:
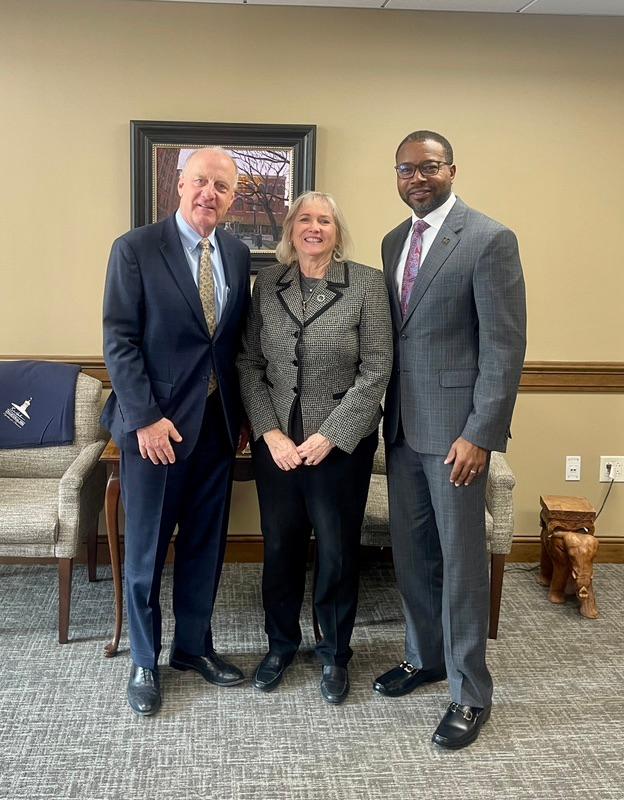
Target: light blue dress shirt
{"type": "Point", "coordinates": [192, 250]}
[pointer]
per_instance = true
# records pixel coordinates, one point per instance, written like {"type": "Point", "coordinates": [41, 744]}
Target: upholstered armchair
{"type": "Point", "coordinates": [50, 497]}
{"type": "Point", "coordinates": [498, 521]}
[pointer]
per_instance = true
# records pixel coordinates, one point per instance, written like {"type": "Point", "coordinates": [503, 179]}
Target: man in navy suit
{"type": "Point", "coordinates": [175, 298]}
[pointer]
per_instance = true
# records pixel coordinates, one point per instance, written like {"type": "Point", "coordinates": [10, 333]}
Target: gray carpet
{"type": "Point", "coordinates": [557, 727]}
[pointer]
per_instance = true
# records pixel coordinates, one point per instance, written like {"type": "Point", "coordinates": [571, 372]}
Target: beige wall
{"type": "Point", "coordinates": [533, 105]}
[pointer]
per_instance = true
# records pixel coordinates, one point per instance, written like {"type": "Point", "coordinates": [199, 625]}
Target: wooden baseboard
{"type": "Point", "coordinates": [527, 549]}
{"type": "Point", "coordinates": [248, 548]}
{"type": "Point", "coordinates": [239, 550]}
{"type": "Point", "coordinates": [242, 547]}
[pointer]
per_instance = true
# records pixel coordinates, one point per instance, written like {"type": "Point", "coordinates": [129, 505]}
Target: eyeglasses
{"type": "Point", "coordinates": [426, 168]}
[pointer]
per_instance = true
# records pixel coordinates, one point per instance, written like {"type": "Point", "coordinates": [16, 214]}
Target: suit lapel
{"type": "Point", "coordinates": [326, 293]}
{"type": "Point", "coordinates": [171, 248]}
{"type": "Point", "coordinates": [231, 279]}
{"type": "Point", "coordinates": [443, 245]}
{"type": "Point", "coordinates": [288, 293]}
{"type": "Point", "coordinates": [395, 250]}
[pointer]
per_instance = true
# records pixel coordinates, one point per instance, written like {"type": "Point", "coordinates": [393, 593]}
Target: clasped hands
{"type": "Point", "coordinates": [287, 455]}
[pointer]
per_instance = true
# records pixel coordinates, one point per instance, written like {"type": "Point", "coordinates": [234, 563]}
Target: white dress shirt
{"type": "Point", "coordinates": [434, 219]}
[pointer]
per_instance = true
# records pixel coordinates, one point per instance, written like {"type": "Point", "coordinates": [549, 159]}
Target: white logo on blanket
{"type": "Point", "coordinates": [18, 415]}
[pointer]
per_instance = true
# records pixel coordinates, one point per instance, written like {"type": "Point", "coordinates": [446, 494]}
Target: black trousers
{"type": "Point", "coordinates": [328, 498]}
{"type": "Point", "coordinates": [195, 495]}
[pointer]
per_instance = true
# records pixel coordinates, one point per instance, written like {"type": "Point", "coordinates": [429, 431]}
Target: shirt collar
{"type": "Point", "coordinates": [189, 236]}
{"type": "Point", "coordinates": [436, 217]}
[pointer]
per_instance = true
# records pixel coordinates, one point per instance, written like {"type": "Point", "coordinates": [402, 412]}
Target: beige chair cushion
{"type": "Point", "coordinates": [375, 531]}
{"type": "Point", "coordinates": [489, 529]}
{"type": "Point", "coordinates": [29, 510]}
{"type": "Point", "coordinates": [379, 459]}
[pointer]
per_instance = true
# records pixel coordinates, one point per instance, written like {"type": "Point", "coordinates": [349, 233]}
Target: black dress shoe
{"type": "Point", "coordinates": [334, 683]}
{"type": "Point", "coordinates": [405, 678]}
{"type": "Point", "coordinates": [460, 726]}
{"type": "Point", "coordinates": [270, 671]}
{"type": "Point", "coordinates": [144, 690]}
{"type": "Point", "coordinates": [212, 668]}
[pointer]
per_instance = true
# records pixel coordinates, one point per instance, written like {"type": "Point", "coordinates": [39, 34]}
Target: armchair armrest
{"type": "Point", "coordinates": [81, 466]}
{"type": "Point", "coordinates": [499, 502]}
{"type": "Point", "coordinates": [70, 490]}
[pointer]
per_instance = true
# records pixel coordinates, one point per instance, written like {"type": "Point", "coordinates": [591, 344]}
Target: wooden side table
{"type": "Point", "coordinates": [567, 513]}
{"type": "Point", "coordinates": [243, 471]}
{"type": "Point", "coordinates": [569, 547]}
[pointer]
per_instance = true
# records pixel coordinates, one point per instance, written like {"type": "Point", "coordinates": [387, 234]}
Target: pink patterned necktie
{"type": "Point", "coordinates": [412, 263]}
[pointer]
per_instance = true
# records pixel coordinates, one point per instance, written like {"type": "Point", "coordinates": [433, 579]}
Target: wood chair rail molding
{"type": "Point", "coordinates": [575, 377]}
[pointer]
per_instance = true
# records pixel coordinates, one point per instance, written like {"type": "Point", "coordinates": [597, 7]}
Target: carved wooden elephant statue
{"type": "Point", "coordinates": [567, 568]}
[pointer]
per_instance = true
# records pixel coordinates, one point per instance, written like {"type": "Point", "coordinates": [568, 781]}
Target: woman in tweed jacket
{"type": "Point", "coordinates": [315, 360]}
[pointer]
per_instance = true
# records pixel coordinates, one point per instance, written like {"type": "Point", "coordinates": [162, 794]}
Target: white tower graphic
{"type": "Point", "coordinates": [23, 407]}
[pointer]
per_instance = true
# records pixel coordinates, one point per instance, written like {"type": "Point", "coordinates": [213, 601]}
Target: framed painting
{"type": "Point", "coordinates": [276, 163]}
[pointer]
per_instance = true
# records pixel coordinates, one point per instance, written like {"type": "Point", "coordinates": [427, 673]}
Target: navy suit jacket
{"type": "Point", "coordinates": [157, 347]}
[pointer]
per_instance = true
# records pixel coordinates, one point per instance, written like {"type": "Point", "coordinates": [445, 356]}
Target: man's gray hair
{"type": "Point", "coordinates": [218, 150]}
{"type": "Point", "coordinates": [286, 253]}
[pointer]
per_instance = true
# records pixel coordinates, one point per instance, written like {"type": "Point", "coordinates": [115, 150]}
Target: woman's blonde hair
{"type": "Point", "coordinates": [286, 253]}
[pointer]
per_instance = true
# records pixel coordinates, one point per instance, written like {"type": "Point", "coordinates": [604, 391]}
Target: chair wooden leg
{"type": "Point", "coordinates": [92, 551]}
{"type": "Point", "coordinates": [497, 570]}
{"type": "Point", "coordinates": [317, 631]}
{"type": "Point", "coordinates": [65, 566]}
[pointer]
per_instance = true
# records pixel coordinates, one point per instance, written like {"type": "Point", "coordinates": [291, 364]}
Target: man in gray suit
{"type": "Point", "coordinates": [458, 309]}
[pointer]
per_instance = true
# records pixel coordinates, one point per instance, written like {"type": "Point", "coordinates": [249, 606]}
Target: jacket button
{"type": "Point", "coordinates": [295, 363]}
{"type": "Point", "coordinates": [403, 336]}
{"type": "Point", "coordinates": [295, 390]}
{"type": "Point", "coordinates": [296, 334]}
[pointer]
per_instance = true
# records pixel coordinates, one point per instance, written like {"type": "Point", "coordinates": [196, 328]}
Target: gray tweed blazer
{"type": "Point", "coordinates": [337, 356]}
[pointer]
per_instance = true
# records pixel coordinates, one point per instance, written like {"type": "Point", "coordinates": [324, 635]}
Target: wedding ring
{"type": "Point", "coordinates": [473, 471]}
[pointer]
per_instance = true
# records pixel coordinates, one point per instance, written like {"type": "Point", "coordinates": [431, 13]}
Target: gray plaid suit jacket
{"type": "Point", "coordinates": [336, 357]}
{"type": "Point", "coordinates": [458, 353]}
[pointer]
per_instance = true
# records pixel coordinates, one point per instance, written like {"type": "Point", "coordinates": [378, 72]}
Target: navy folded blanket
{"type": "Point", "coordinates": [37, 400]}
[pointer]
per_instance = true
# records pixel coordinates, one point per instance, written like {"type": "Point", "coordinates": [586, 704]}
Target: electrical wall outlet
{"type": "Point", "coordinates": [617, 469]}
{"type": "Point", "coordinates": [573, 468]}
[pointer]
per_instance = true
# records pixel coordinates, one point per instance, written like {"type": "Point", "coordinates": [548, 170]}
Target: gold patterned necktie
{"type": "Point", "coordinates": [207, 296]}
{"type": "Point", "coordinates": [206, 286]}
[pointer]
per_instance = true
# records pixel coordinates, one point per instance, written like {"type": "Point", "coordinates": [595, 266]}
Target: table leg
{"type": "Point", "coordinates": [111, 508]}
